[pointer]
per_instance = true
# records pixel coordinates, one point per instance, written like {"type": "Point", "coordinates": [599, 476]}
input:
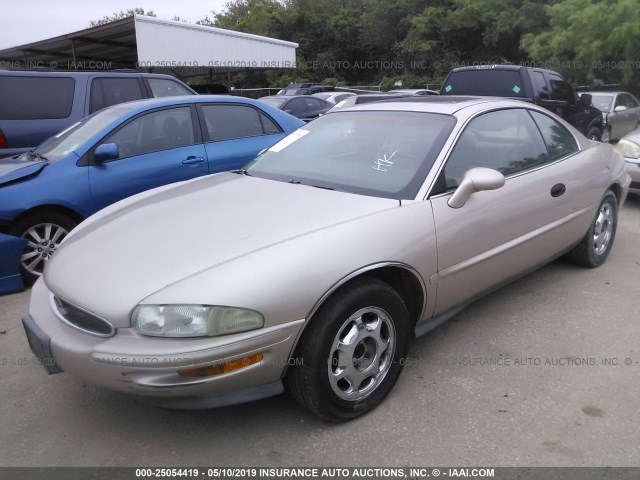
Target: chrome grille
{"type": "Point", "coordinates": [81, 319]}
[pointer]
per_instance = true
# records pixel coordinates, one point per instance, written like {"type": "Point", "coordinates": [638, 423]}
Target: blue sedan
{"type": "Point", "coordinates": [123, 150]}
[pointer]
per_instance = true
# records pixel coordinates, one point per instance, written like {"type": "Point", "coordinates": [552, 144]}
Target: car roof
{"type": "Point", "coordinates": [76, 73]}
{"type": "Point", "coordinates": [150, 103]}
{"type": "Point", "coordinates": [288, 97]}
{"type": "Point", "coordinates": [447, 105]}
{"type": "Point", "coordinates": [603, 92]}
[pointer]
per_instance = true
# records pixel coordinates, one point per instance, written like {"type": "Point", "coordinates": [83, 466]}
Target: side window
{"type": "Point", "coordinates": [119, 90]}
{"type": "Point", "coordinates": [226, 122]}
{"type": "Point", "coordinates": [314, 104]}
{"type": "Point", "coordinates": [557, 138]}
{"type": "Point", "coordinates": [506, 140]}
{"type": "Point", "coordinates": [155, 131]}
{"type": "Point", "coordinates": [29, 98]}
{"type": "Point", "coordinates": [161, 87]}
{"type": "Point", "coordinates": [541, 86]}
{"type": "Point", "coordinates": [295, 106]}
{"type": "Point", "coordinates": [620, 101]}
{"type": "Point", "coordinates": [269, 127]}
{"type": "Point", "coordinates": [560, 89]}
{"type": "Point", "coordinates": [631, 101]}
{"type": "Point", "coordinates": [95, 102]}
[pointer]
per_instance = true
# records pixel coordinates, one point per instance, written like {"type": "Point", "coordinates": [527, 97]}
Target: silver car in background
{"type": "Point", "coordinates": [620, 113]}
{"type": "Point", "coordinates": [311, 269]}
{"type": "Point", "coordinates": [333, 97]}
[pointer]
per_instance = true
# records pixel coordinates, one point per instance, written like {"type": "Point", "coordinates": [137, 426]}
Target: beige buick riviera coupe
{"type": "Point", "coordinates": [310, 269]}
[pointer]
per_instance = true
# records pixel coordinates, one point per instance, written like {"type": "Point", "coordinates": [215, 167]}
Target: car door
{"type": "Point", "coordinates": [499, 234]}
{"type": "Point", "coordinates": [155, 148]}
{"type": "Point", "coordinates": [616, 117]}
{"type": "Point", "coordinates": [235, 134]}
{"type": "Point", "coordinates": [631, 114]}
{"type": "Point", "coordinates": [564, 103]}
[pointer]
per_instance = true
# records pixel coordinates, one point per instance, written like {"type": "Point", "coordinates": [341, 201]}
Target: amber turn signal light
{"type": "Point", "coordinates": [219, 368]}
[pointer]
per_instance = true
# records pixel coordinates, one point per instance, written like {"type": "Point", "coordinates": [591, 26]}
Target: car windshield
{"type": "Point", "coordinates": [602, 102]}
{"type": "Point", "coordinates": [67, 141]}
{"type": "Point", "coordinates": [378, 153]}
{"type": "Point", "coordinates": [274, 102]}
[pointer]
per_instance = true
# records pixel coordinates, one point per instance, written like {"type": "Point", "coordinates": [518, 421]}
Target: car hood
{"type": "Point", "coordinates": [12, 169]}
{"type": "Point", "coordinates": [125, 253]}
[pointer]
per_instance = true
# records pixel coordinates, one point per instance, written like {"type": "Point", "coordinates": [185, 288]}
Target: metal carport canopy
{"type": "Point", "coordinates": [151, 43]}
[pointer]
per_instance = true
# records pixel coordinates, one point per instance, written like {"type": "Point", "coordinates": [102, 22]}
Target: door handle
{"type": "Point", "coordinates": [558, 190]}
{"type": "Point", "coordinates": [192, 160]}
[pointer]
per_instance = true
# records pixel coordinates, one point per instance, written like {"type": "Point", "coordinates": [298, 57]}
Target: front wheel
{"type": "Point", "coordinates": [352, 352]}
{"type": "Point", "coordinates": [43, 231]}
{"type": "Point", "coordinates": [594, 248]}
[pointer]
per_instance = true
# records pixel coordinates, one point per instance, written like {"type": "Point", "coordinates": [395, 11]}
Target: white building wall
{"type": "Point", "coordinates": [165, 43]}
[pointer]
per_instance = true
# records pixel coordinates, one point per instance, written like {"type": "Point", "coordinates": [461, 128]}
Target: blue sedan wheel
{"type": "Point", "coordinates": [43, 232]}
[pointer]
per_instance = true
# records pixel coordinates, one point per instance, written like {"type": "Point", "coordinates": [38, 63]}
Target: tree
{"type": "Point", "coordinates": [120, 15]}
{"type": "Point", "coordinates": [597, 40]}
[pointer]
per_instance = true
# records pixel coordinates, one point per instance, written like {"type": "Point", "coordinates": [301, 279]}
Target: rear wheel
{"type": "Point", "coordinates": [594, 248]}
{"type": "Point", "coordinates": [43, 231]}
{"type": "Point", "coordinates": [352, 352]}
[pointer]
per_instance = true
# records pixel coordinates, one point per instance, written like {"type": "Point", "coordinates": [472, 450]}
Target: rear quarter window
{"type": "Point", "coordinates": [492, 83]}
{"type": "Point", "coordinates": [30, 98]}
{"type": "Point", "coordinates": [558, 140]}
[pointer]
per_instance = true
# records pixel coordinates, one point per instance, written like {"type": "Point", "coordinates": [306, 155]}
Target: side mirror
{"type": "Point", "coordinates": [620, 108]}
{"type": "Point", "coordinates": [475, 180]}
{"type": "Point", "coordinates": [106, 152]}
{"type": "Point", "coordinates": [586, 99]}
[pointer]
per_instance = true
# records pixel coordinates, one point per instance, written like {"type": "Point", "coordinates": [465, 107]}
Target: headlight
{"type": "Point", "coordinates": [629, 149]}
{"type": "Point", "coordinates": [193, 320]}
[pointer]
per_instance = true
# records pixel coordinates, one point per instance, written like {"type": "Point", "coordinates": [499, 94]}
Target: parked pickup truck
{"type": "Point", "coordinates": [545, 88]}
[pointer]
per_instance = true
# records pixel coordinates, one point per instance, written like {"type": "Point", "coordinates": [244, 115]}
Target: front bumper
{"type": "Point", "coordinates": [146, 366]}
{"type": "Point", "coordinates": [11, 249]}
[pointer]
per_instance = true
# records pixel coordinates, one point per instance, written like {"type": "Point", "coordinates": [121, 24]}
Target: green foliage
{"type": "Point", "coordinates": [120, 15]}
{"type": "Point", "coordinates": [596, 40]}
{"type": "Point", "coordinates": [366, 42]}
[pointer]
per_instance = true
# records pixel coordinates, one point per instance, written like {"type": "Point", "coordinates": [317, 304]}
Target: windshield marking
{"type": "Point", "coordinates": [383, 162]}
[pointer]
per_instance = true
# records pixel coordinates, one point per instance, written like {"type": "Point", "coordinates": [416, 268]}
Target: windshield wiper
{"type": "Point", "coordinates": [298, 182]}
{"type": "Point", "coordinates": [241, 171]}
{"type": "Point", "coordinates": [33, 153]}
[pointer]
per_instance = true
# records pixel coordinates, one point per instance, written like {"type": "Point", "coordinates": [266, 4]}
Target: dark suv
{"type": "Point", "coordinates": [545, 88]}
{"type": "Point", "coordinates": [306, 89]}
{"type": "Point", "coordinates": [34, 105]}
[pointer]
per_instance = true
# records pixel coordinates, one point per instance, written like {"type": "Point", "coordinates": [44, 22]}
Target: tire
{"type": "Point", "coordinates": [36, 228]}
{"type": "Point", "coordinates": [594, 248]}
{"type": "Point", "coordinates": [352, 352]}
{"type": "Point", "coordinates": [594, 134]}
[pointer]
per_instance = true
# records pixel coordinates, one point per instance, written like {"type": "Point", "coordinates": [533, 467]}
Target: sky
{"type": "Point", "coordinates": [33, 20]}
